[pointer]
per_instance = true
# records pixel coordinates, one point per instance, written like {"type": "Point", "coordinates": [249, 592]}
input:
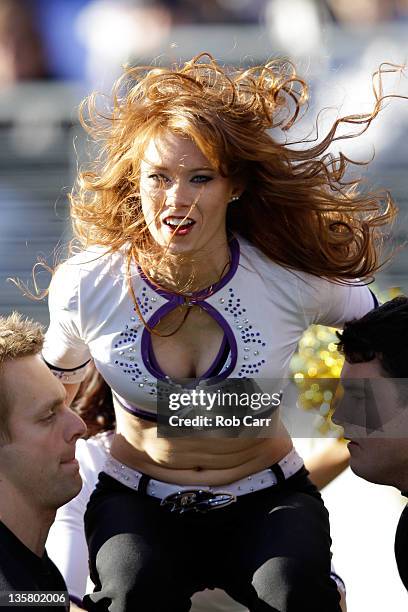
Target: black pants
{"type": "Point", "coordinates": [270, 550]}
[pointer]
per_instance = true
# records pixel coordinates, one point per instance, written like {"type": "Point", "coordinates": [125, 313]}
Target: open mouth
{"type": "Point", "coordinates": [179, 225]}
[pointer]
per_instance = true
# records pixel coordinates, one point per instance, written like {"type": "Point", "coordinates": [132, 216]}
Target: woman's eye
{"type": "Point", "coordinates": [158, 178]}
{"type": "Point", "coordinates": [201, 178]}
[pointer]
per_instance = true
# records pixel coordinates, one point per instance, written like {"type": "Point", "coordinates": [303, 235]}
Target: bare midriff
{"type": "Point", "coordinates": [201, 461]}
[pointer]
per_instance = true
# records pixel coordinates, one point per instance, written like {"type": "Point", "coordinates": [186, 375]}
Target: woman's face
{"type": "Point", "coordinates": [184, 199]}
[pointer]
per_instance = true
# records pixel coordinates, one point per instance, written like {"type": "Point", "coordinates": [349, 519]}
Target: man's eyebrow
{"type": "Point", "coordinates": [52, 404]}
{"type": "Point", "coordinates": [351, 383]}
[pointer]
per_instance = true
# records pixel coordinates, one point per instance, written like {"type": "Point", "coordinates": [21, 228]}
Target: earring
{"type": "Point", "coordinates": [234, 198]}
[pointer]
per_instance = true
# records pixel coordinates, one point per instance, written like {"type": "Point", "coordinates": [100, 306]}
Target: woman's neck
{"type": "Point", "coordinates": [186, 274]}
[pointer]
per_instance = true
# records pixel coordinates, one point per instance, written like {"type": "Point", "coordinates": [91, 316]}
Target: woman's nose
{"type": "Point", "coordinates": [178, 195]}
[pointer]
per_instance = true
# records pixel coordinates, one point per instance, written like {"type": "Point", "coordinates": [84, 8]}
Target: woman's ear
{"type": "Point", "coordinates": [238, 189]}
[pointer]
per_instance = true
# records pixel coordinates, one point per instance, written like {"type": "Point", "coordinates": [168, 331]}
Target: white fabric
{"type": "Point", "coordinates": [92, 315]}
{"type": "Point", "coordinates": [66, 543]}
{"type": "Point", "coordinates": [289, 465]}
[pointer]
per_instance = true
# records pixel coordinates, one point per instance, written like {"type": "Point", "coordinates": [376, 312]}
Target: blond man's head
{"type": "Point", "coordinates": [19, 337]}
{"type": "Point", "coordinates": [38, 431]}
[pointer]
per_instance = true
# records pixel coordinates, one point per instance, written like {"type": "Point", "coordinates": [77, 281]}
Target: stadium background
{"type": "Point", "coordinates": [53, 52]}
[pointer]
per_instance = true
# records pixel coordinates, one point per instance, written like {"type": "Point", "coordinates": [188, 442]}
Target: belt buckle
{"type": "Point", "coordinates": [198, 500]}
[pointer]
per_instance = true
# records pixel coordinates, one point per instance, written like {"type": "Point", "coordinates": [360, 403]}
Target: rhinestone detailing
{"type": "Point", "coordinates": [252, 340]}
{"type": "Point", "coordinates": [70, 377]}
{"type": "Point", "coordinates": [156, 488]}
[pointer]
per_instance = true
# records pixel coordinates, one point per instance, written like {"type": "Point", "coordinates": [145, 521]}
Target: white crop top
{"type": "Point", "coordinates": [262, 307]}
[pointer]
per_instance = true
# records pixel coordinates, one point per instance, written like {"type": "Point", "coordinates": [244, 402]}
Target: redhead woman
{"type": "Point", "coordinates": [207, 248]}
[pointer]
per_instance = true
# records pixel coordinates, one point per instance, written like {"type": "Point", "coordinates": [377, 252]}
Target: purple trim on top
{"type": "Point", "coordinates": [146, 343]}
{"type": "Point", "coordinates": [77, 601]}
{"type": "Point", "coordinates": [174, 300]}
{"type": "Point", "coordinates": [203, 293]}
{"type": "Point", "coordinates": [143, 414]}
{"type": "Point", "coordinates": [230, 338]}
{"type": "Point", "coordinates": [216, 363]}
{"type": "Point", "coordinates": [152, 359]}
{"type": "Point", "coordinates": [147, 349]}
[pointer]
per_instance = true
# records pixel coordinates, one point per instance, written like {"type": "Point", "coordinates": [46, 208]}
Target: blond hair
{"type": "Point", "coordinates": [19, 337]}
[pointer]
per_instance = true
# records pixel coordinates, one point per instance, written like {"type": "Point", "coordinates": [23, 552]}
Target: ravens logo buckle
{"type": "Point", "coordinates": [197, 500]}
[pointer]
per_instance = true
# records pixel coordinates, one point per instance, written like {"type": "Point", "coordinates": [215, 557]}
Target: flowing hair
{"type": "Point", "coordinates": [297, 207]}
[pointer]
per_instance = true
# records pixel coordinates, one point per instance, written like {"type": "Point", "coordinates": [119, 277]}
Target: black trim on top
{"type": "Point", "coordinates": [376, 303]}
{"type": "Point", "coordinates": [53, 367]}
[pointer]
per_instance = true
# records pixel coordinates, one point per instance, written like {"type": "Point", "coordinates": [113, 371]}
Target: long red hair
{"type": "Point", "coordinates": [297, 207]}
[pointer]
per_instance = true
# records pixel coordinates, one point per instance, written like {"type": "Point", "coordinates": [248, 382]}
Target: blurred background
{"type": "Point", "coordinates": [54, 52]}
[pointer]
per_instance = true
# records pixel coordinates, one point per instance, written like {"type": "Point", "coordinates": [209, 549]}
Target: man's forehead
{"type": "Point", "coordinates": [366, 369]}
{"type": "Point", "coordinates": [31, 384]}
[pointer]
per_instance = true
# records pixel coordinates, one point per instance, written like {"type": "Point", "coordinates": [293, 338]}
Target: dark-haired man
{"type": "Point", "coordinates": [374, 407]}
{"type": "Point", "coordinates": [38, 470]}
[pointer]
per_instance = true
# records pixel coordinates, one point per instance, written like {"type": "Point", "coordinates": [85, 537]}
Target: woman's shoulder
{"type": "Point", "coordinates": [320, 300]}
{"type": "Point", "coordinates": [252, 258]}
{"type": "Point", "coordinates": [261, 263]}
{"type": "Point", "coordinates": [91, 260]}
{"type": "Point", "coordinates": [87, 267]}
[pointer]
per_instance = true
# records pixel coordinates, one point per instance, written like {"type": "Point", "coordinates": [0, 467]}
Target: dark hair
{"type": "Point", "coordinates": [94, 403]}
{"type": "Point", "coordinates": [383, 334]}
